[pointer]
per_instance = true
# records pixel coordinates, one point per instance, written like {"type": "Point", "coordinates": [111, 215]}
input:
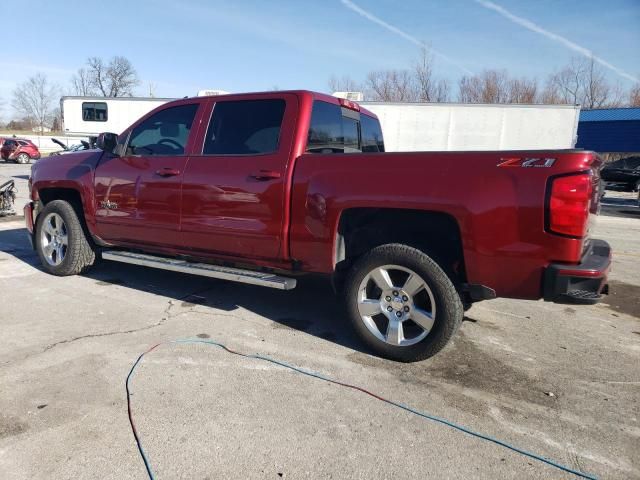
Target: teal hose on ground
{"type": "Point", "coordinates": [319, 376]}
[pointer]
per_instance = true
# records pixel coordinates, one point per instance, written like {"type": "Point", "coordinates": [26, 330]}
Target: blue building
{"type": "Point", "coordinates": [610, 130]}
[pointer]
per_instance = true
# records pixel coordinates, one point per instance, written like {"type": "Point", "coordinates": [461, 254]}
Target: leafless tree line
{"type": "Point", "coordinates": [581, 82]}
{"type": "Point", "coordinates": [35, 100]}
{"type": "Point", "coordinates": [417, 84]}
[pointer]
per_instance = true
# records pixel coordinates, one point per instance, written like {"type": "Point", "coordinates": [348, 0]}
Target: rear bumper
{"type": "Point", "coordinates": [582, 283]}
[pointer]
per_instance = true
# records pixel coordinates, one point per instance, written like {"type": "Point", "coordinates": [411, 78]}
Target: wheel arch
{"type": "Point", "coordinates": [71, 195]}
{"type": "Point", "coordinates": [436, 233]}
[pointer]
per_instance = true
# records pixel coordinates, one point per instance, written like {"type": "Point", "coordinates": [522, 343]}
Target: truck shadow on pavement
{"type": "Point", "coordinates": [312, 307]}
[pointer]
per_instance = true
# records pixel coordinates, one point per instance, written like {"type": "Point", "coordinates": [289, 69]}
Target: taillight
{"type": "Point", "coordinates": [568, 205]}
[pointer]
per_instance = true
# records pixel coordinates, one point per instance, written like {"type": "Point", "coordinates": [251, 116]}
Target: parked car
{"type": "Point", "coordinates": [623, 174]}
{"type": "Point", "coordinates": [267, 187]}
{"type": "Point", "coordinates": [83, 145]}
{"type": "Point", "coordinates": [19, 150]}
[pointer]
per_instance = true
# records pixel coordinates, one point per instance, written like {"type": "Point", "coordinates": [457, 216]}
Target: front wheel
{"type": "Point", "coordinates": [60, 240]}
{"type": "Point", "coordinates": [23, 158]}
{"type": "Point", "coordinates": [401, 303]}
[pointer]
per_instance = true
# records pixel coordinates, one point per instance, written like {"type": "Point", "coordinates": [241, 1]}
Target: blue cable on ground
{"type": "Point", "coordinates": [309, 373]}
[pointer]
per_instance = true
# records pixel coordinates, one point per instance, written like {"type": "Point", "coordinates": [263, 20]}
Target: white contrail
{"type": "Point", "coordinates": [529, 25]}
{"type": "Point", "coordinates": [369, 16]}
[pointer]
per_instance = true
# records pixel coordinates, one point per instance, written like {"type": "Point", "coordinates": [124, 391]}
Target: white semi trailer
{"type": "Point", "coordinates": [406, 126]}
{"type": "Point", "coordinates": [454, 126]}
{"type": "Point", "coordinates": [93, 115]}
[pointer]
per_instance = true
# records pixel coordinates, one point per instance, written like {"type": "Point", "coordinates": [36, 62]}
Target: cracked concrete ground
{"type": "Point", "coordinates": [67, 344]}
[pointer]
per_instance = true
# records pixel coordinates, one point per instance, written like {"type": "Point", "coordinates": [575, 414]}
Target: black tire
{"type": "Point", "coordinates": [23, 158]}
{"type": "Point", "coordinates": [449, 307]}
{"type": "Point", "coordinates": [79, 254]}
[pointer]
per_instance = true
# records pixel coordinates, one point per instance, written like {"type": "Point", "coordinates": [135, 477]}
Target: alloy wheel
{"type": "Point", "coordinates": [54, 239]}
{"type": "Point", "coordinates": [396, 305]}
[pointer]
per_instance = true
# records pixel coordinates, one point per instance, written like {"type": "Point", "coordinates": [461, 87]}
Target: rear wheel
{"type": "Point", "coordinates": [61, 243]}
{"type": "Point", "coordinates": [23, 158]}
{"type": "Point", "coordinates": [401, 303]}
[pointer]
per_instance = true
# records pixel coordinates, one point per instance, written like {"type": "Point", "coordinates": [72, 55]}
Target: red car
{"type": "Point", "coordinates": [19, 150]}
{"type": "Point", "coordinates": [263, 188]}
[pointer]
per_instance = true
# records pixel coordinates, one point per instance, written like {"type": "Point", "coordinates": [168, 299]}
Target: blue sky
{"type": "Point", "coordinates": [184, 46]}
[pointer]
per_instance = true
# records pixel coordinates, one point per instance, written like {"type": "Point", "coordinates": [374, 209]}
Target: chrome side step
{"type": "Point", "coordinates": [203, 269]}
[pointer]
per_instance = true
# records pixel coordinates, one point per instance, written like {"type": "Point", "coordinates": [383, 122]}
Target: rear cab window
{"type": "Point", "coordinates": [336, 129]}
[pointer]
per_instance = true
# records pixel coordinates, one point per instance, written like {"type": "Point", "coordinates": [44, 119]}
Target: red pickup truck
{"type": "Point", "coordinates": [264, 187]}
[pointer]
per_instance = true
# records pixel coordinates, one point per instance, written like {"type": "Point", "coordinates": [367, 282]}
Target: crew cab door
{"type": "Point", "coordinates": [233, 189]}
{"type": "Point", "coordinates": [138, 194]}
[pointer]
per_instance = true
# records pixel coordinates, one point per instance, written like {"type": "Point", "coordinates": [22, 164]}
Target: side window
{"type": "Point", "coordinates": [621, 163]}
{"type": "Point", "coordinates": [94, 111]}
{"type": "Point", "coordinates": [335, 129]}
{"type": "Point", "coordinates": [325, 131]}
{"type": "Point", "coordinates": [22, 144]}
{"type": "Point", "coordinates": [371, 135]}
{"type": "Point", "coordinates": [633, 163]}
{"type": "Point", "coordinates": [244, 127]}
{"type": "Point", "coordinates": [164, 133]}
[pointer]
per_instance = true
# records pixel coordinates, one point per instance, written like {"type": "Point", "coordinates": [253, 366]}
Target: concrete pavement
{"type": "Point", "coordinates": [67, 345]}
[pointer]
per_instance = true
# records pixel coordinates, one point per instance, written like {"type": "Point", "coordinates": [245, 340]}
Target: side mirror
{"type": "Point", "coordinates": [107, 141]}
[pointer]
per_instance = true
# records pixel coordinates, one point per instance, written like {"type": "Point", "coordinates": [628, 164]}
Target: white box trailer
{"type": "Point", "coordinates": [93, 115]}
{"type": "Point", "coordinates": [454, 126]}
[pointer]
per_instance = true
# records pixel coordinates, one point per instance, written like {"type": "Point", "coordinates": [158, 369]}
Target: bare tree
{"type": "Point", "coordinates": [56, 119]}
{"type": "Point", "coordinates": [634, 96]}
{"type": "Point", "coordinates": [551, 94]}
{"type": "Point", "coordinates": [391, 86]}
{"type": "Point", "coordinates": [117, 78]}
{"type": "Point", "coordinates": [35, 99]}
{"type": "Point", "coordinates": [597, 90]}
{"type": "Point", "coordinates": [523, 90]}
{"type": "Point", "coordinates": [583, 82]}
{"type": "Point", "coordinates": [343, 84]}
{"type": "Point", "coordinates": [428, 87]}
{"type": "Point", "coordinates": [567, 84]}
{"type": "Point", "coordinates": [417, 84]}
{"type": "Point", "coordinates": [490, 86]}
{"type": "Point", "coordinates": [82, 83]}
{"type": "Point", "coordinates": [1, 109]}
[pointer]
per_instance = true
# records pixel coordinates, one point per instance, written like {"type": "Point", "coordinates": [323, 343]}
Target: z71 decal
{"type": "Point", "coordinates": [527, 162]}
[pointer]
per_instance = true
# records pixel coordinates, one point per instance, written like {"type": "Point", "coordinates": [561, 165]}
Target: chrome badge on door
{"type": "Point", "coordinates": [108, 205]}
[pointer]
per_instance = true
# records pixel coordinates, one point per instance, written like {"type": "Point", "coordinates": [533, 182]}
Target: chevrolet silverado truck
{"type": "Point", "coordinates": [263, 188]}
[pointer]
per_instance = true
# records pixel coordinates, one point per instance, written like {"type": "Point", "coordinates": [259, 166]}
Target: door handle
{"type": "Point", "coordinates": [266, 175]}
{"type": "Point", "coordinates": [167, 172]}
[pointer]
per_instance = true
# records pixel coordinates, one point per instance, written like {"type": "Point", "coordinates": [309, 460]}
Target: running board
{"type": "Point", "coordinates": [203, 269]}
